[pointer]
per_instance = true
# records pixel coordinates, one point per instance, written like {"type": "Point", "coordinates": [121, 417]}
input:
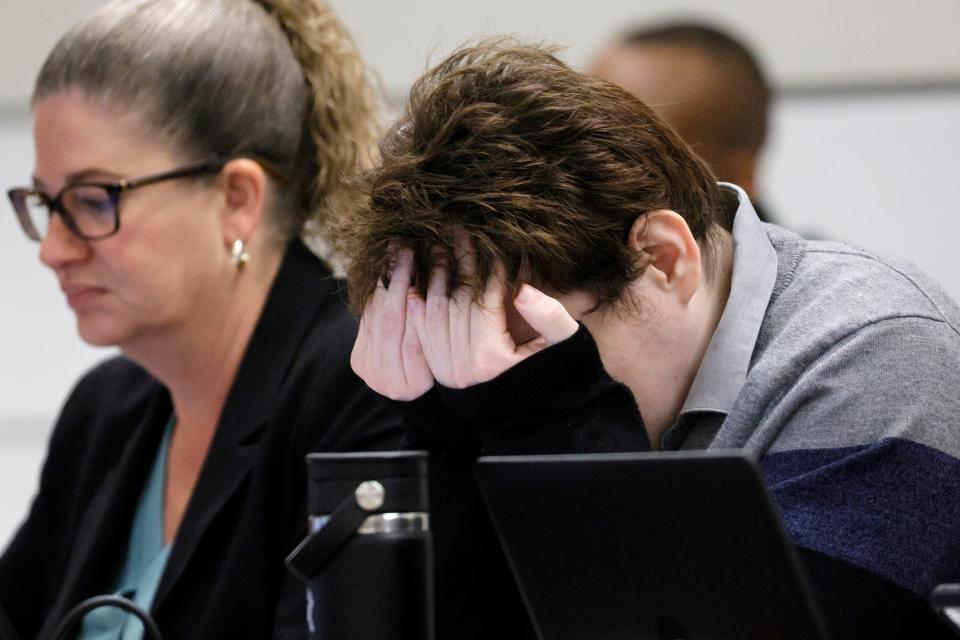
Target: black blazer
{"type": "Point", "coordinates": [294, 393]}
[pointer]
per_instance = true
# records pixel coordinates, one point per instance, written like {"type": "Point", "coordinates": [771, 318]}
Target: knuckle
{"type": "Point", "coordinates": [443, 375]}
{"type": "Point", "coordinates": [553, 310]}
{"type": "Point", "coordinates": [392, 391]}
{"type": "Point", "coordinates": [460, 375]}
{"type": "Point", "coordinates": [375, 385]}
{"type": "Point", "coordinates": [437, 315]}
{"type": "Point", "coordinates": [550, 305]}
{"type": "Point", "coordinates": [391, 322]}
{"type": "Point", "coordinates": [412, 347]}
{"type": "Point", "coordinates": [487, 365]}
{"type": "Point", "coordinates": [436, 305]}
{"type": "Point", "coordinates": [483, 360]}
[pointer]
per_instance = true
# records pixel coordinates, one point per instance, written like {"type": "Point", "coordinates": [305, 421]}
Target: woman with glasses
{"type": "Point", "coordinates": [183, 148]}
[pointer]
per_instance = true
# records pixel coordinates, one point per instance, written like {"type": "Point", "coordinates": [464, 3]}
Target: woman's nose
{"type": "Point", "coordinates": [60, 246]}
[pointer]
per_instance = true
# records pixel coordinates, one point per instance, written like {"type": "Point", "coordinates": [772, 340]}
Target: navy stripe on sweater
{"type": "Point", "coordinates": [891, 507]}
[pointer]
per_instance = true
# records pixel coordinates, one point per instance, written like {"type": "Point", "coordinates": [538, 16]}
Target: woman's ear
{"type": "Point", "coordinates": [244, 185]}
{"type": "Point", "coordinates": [671, 253]}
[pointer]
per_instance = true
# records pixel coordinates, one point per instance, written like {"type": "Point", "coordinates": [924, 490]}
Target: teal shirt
{"type": "Point", "coordinates": [145, 561]}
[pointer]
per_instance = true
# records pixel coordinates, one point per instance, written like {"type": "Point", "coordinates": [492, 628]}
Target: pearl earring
{"type": "Point", "coordinates": [239, 254]}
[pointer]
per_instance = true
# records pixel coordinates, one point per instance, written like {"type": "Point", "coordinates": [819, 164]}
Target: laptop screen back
{"type": "Point", "coordinates": [648, 545]}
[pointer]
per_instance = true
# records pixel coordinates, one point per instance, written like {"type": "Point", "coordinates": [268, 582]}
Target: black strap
{"type": "Point", "coordinates": [319, 548]}
{"type": "Point", "coordinates": [150, 629]}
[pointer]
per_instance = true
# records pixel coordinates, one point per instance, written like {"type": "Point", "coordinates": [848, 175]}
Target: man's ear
{"type": "Point", "coordinates": [244, 185]}
{"type": "Point", "coordinates": [664, 241]}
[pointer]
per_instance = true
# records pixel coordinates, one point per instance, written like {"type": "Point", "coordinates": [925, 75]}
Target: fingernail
{"type": "Point", "coordinates": [526, 293]}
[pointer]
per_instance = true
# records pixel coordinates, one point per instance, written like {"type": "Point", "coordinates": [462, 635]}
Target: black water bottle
{"type": "Point", "coordinates": [367, 560]}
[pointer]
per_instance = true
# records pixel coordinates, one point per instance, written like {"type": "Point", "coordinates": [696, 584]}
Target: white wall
{"type": "Point", "coordinates": [40, 354]}
{"type": "Point", "coordinates": [879, 170]}
{"type": "Point", "coordinates": [39, 350]}
{"type": "Point", "coordinates": [875, 171]}
{"type": "Point", "coordinates": [803, 41]}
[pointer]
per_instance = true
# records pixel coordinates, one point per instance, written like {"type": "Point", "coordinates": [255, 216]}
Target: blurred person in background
{"type": "Point", "coordinates": [706, 84]}
{"type": "Point", "coordinates": [183, 148]}
{"type": "Point", "coordinates": [566, 276]}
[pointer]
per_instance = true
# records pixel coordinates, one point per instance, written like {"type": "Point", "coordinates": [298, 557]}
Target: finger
{"type": "Point", "coordinates": [400, 276]}
{"type": "Point", "coordinates": [460, 311]}
{"type": "Point", "coordinates": [545, 315]}
{"type": "Point", "coordinates": [390, 321]}
{"type": "Point", "coordinates": [465, 255]}
{"type": "Point", "coordinates": [461, 303]}
{"type": "Point", "coordinates": [393, 300]}
{"type": "Point", "coordinates": [358, 356]}
{"type": "Point", "coordinates": [494, 291]}
{"type": "Point", "coordinates": [417, 375]}
{"type": "Point", "coordinates": [488, 322]}
{"type": "Point", "coordinates": [434, 329]}
{"type": "Point", "coordinates": [365, 345]}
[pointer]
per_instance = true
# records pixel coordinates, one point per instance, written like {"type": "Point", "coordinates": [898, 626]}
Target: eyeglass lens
{"type": "Point", "coordinates": [91, 208]}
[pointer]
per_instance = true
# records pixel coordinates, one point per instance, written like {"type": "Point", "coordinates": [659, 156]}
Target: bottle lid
{"type": "Point", "coordinates": [399, 476]}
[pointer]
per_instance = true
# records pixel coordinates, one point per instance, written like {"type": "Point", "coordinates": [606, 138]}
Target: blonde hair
{"type": "Point", "coordinates": [344, 111]}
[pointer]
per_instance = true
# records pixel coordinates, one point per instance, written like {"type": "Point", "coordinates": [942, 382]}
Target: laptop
{"type": "Point", "coordinates": [647, 545]}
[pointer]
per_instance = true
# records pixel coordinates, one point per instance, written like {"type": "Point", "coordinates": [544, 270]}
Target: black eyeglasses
{"type": "Point", "coordinates": [91, 210]}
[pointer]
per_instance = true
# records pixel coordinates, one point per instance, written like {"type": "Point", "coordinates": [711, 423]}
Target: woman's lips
{"type": "Point", "coordinates": [80, 296]}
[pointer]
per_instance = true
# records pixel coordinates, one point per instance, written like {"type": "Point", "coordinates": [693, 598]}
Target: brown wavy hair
{"type": "Point", "coordinates": [544, 168]}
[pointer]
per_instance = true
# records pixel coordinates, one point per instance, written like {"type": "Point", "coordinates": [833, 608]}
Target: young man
{"type": "Point", "coordinates": [546, 267]}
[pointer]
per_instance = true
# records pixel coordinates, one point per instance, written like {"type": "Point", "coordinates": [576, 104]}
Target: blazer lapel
{"type": "Point", "coordinates": [105, 527]}
{"type": "Point", "coordinates": [292, 303]}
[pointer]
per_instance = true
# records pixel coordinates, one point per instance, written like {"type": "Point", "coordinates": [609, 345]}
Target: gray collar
{"type": "Point", "coordinates": [723, 370]}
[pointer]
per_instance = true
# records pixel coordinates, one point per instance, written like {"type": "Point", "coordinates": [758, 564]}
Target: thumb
{"type": "Point", "coordinates": [545, 315]}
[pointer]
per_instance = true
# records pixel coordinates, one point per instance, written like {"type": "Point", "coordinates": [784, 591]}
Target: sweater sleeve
{"type": "Point", "coordinates": [560, 400]}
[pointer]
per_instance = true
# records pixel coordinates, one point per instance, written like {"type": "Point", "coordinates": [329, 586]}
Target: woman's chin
{"type": "Point", "coordinates": [97, 334]}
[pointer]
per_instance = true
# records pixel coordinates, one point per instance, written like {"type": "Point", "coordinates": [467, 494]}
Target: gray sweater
{"type": "Point", "coordinates": [850, 400]}
{"type": "Point", "coordinates": [837, 370]}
